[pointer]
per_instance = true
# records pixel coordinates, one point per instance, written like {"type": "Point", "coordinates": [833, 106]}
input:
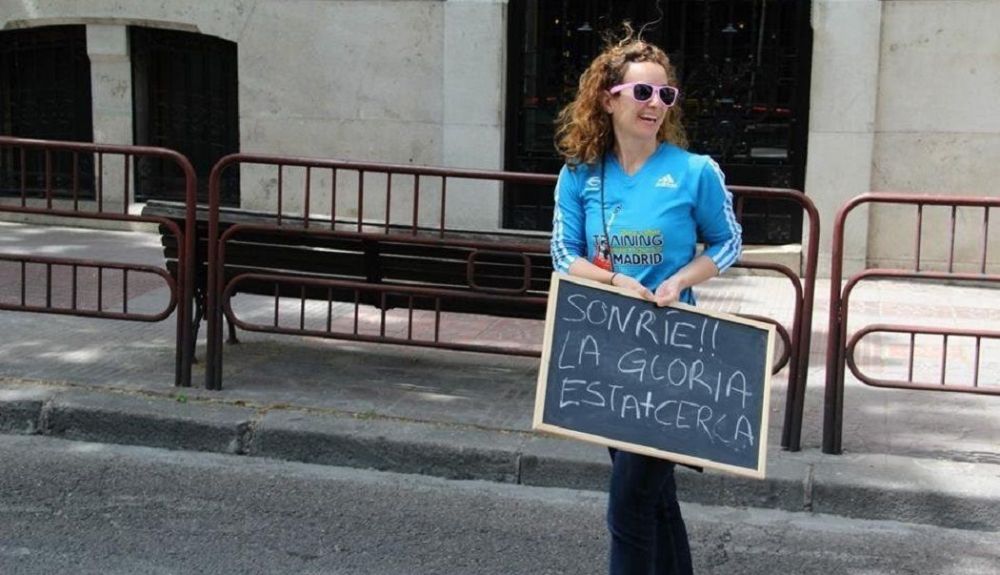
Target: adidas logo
{"type": "Point", "coordinates": [666, 181]}
{"type": "Point", "coordinates": [593, 183]}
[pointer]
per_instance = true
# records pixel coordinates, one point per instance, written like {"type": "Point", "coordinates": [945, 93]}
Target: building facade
{"type": "Point", "coordinates": [893, 95]}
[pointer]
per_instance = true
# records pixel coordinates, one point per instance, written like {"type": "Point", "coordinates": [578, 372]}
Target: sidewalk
{"type": "Point", "coordinates": [909, 456]}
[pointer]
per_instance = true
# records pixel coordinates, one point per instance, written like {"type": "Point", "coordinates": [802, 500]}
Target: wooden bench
{"type": "Point", "coordinates": [510, 271]}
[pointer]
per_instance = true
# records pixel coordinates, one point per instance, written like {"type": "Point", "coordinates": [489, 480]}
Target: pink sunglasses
{"type": "Point", "coordinates": [642, 92]}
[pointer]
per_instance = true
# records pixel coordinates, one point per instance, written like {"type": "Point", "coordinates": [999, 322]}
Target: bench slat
{"type": "Point", "coordinates": [388, 261]}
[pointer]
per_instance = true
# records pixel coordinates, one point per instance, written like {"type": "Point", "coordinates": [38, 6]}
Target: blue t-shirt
{"type": "Point", "coordinates": [655, 217]}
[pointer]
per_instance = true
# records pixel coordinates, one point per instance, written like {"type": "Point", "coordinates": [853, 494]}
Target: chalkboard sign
{"type": "Point", "coordinates": [675, 382]}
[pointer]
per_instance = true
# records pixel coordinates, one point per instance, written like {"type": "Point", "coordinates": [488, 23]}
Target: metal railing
{"type": "Point", "coordinates": [363, 214]}
{"type": "Point", "coordinates": [503, 269]}
{"type": "Point", "coordinates": [841, 350]}
{"type": "Point", "coordinates": [407, 235]}
{"type": "Point", "coordinates": [32, 186]}
{"type": "Point", "coordinates": [804, 285]}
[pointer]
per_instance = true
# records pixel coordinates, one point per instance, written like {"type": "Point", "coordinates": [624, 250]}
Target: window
{"type": "Point", "coordinates": [185, 99]}
{"type": "Point", "coordinates": [45, 94]}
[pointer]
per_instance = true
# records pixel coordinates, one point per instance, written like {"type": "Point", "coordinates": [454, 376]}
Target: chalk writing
{"type": "Point", "coordinates": [672, 379]}
{"type": "Point", "coordinates": [637, 366]}
{"type": "Point", "coordinates": [645, 323]}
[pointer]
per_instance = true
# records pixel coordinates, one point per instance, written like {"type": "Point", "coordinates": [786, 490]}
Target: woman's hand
{"type": "Point", "coordinates": [669, 291]}
{"type": "Point", "coordinates": [630, 283]}
{"type": "Point", "coordinates": [698, 270]}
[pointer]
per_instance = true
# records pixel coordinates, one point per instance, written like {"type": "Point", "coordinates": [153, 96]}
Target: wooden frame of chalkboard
{"type": "Point", "coordinates": [676, 382]}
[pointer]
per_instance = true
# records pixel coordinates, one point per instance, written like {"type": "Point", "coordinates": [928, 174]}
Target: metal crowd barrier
{"type": "Point", "coordinates": [431, 231]}
{"type": "Point", "coordinates": [68, 181]}
{"type": "Point", "coordinates": [841, 350]}
{"type": "Point", "coordinates": [36, 193]}
{"type": "Point", "coordinates": [528, 254]}
{"type": "Point", "coordinates": [798, 343]}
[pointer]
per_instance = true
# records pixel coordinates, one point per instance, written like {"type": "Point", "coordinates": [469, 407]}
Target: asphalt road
{"type": "Point", "coordinates": [73, 507]}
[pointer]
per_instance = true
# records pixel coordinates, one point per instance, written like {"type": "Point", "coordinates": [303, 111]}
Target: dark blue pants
{"type": "Point", "coordinates": [648, 536]}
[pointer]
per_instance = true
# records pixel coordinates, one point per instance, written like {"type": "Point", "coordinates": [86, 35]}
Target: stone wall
{"type": "Point", "coordinates": [938, 127]}
{"type": "Point", "coordinates": [399, 81]}
{"type": "Point", "coordinates": [902, 99]}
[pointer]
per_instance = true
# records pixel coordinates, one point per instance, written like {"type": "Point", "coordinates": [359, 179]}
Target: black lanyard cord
{"type": "Point", "coordinates": [604, 221]}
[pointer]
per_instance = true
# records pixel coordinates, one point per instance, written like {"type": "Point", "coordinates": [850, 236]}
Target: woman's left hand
{"type": "Point", "coordinates": [669, 291]}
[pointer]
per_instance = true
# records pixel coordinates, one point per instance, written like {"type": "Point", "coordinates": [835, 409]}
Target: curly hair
{"type": "Point", "coordinates": [584, 128]}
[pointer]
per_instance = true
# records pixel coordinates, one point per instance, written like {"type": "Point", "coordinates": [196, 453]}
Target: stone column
{"type": "Point", "coordinates": [844, 95]}
{"type": "Point", "coordinates": [111, 89]}
{"type": "Point", "coordinates": [475, 46]}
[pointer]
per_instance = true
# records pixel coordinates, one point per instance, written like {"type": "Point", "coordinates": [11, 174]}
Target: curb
{"type": "Point", "coordinates": [150, 422]}
{"type": "Point", "coordinates": [882, 487]}
{"type": "Point", "coordinates": [21, 410]}
{"type": "Point", "coordinates": [403, 447]}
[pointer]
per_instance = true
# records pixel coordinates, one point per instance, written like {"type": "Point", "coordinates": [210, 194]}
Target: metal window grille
{"type": "Point", "coordinates": [744, 70]}
{"type": "Point", "coordinates": [45, 94]}
{"type": "Point", "coordinates": [185, 99]}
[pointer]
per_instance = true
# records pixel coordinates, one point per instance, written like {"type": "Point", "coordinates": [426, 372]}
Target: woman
{"type": "Point", "coordinates": [631, 205]}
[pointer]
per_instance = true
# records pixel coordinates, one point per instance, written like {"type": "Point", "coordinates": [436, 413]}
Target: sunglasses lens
{"type": "Point", "coordinates": [667, 96]}
{"type": "Point", "coordinates": [642, 92]}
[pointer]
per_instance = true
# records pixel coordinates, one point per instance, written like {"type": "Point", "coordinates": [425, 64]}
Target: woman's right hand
{"type": "Point", "coordinates": [630, 283]}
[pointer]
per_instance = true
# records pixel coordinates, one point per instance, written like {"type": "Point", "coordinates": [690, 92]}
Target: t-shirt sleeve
{"type": "Point", "coordinates": [717, 225]}
{"type": "Point", "coordinates": [568, 229]}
